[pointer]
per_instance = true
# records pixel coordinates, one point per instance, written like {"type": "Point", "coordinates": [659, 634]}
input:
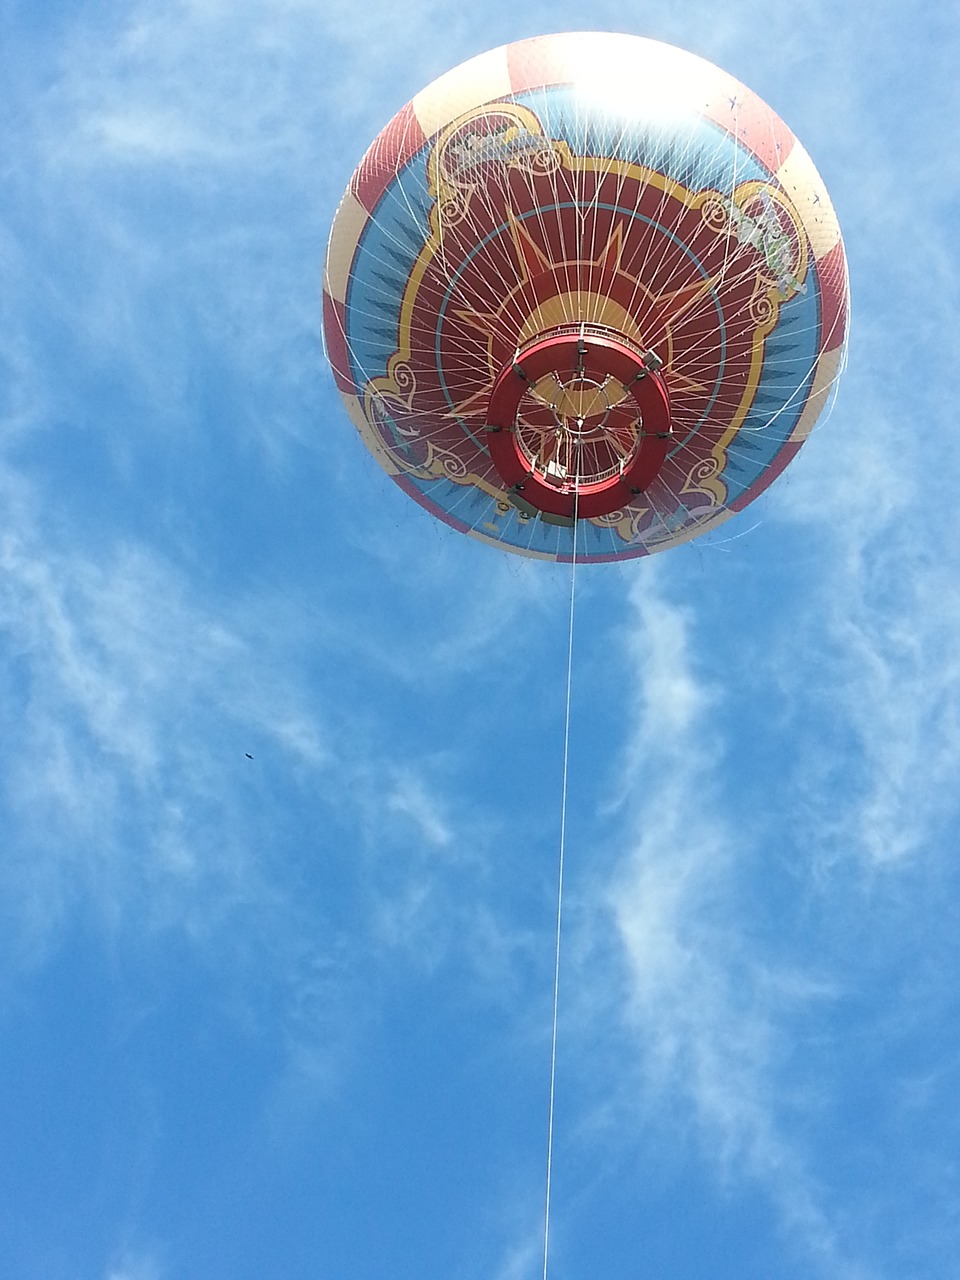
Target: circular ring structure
{"type": "Point", "coordinates": [578, 425]}
{"type": "Point", "coordinates": [601, 190]}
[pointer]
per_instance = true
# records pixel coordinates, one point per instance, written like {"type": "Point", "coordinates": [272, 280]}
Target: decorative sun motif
{"type": "Point", "coordinates": [542, 301]}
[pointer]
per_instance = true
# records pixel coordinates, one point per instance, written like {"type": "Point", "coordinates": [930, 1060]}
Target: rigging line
{"type": "Point", "coordinates": [563, 836]}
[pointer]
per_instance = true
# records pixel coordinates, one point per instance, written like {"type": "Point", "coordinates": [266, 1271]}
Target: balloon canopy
{"type": "Point", "coordinates": [588, 287]}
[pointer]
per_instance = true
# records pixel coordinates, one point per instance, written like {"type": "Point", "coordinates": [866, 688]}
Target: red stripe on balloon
{"type": "Point", "coordinates": [748, 118]}
{"type": "Point", "coordinates": [398, 143]}
{"type": "Point", "coordinates": [335, 337]}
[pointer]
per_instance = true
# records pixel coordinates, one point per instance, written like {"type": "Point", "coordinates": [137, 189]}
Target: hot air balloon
{"type": "Point", "coordinates": [585, 295]}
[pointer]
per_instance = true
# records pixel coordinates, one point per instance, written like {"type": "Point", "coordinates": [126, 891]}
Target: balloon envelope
{"type": "Point", "coordinates": [585, 285]}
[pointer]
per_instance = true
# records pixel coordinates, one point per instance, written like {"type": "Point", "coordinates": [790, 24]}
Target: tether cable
{"type": "Point", "coordinates": [563, 836]}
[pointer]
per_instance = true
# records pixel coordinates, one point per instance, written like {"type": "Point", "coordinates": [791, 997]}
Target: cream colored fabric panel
{"type": "Point", "coordinates": [512, 547]}
{"type": "Point", "coordinates": [827, 372]}
{"type": "Point", "coordinates": [478, 81]}
{"type": "Point", "coordinates": [359, 420]}
{"type": "Point", "coordinates": [347, 228]}
{"type": "Point", "coordinates": [799, 178]}
{"type": "Point", "coordinates": [670, 76]}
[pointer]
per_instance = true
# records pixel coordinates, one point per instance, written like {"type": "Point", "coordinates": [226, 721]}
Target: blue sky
{"type": "Point", "coordinates": [290, 1016]}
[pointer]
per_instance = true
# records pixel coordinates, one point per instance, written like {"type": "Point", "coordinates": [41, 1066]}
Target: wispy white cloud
{"type": "Point", "coordinates": [133, 701]}
{"type": "Point", "coordinates": [199, 85]}
{"type": "Point", "coordinates": [130, 698]}
{"type": "Point", "coordinates": [409, 798]}
{"type": "Point", "coordinates": [154, 135]}
{"type": "Point", "coordinates": [522, 1260]}
{"type": "Point", "coordinates": [876, 641]}
{"type": "Point", "coordinates": [712, 1011]}
{"type": "Point", "coordinates": [135, 1265]}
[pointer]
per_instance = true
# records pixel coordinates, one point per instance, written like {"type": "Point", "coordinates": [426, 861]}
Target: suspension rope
{"type": "Point", "coordinates": [563, 836]}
